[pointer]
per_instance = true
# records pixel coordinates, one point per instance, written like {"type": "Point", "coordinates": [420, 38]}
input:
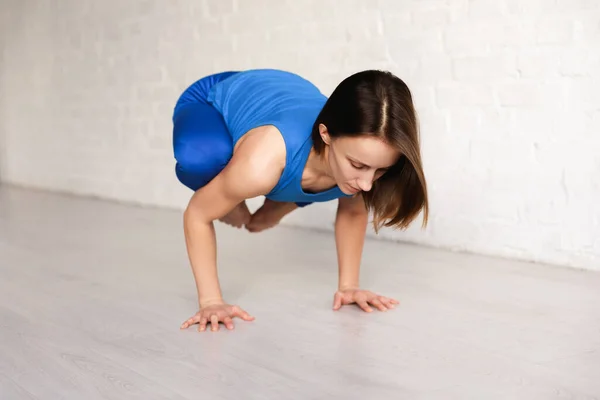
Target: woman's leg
{"type": "Point", "coordinates": [201, 143]}
{"type": "Point", "coordinates": [202, 147]}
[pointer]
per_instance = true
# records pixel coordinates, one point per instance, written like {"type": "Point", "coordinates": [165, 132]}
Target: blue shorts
{"type": "Point", "coordinates": [202, 144]}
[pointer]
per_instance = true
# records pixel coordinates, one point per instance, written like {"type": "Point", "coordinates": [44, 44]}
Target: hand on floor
{"type": "Point", "coordinates": [362, 298]}
{"type": "Point", "coordinates": [214, 314]}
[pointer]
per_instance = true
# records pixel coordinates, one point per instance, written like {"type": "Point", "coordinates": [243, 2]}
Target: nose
{"type": "Point", "coordinates": [365, 186]}
{"type": "Point", "coordinates": [365, 182]}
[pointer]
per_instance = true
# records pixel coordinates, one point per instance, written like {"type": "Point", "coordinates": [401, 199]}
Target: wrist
{"type": "Point", "coordinates": [348, 286]}
{"type": "Point", "coordinates": [210, 302]}
{"type": "Point", "coordinates": [349, 277]}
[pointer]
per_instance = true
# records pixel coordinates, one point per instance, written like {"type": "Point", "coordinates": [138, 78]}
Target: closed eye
{"type": "Point", "coordinates": [358, 165]}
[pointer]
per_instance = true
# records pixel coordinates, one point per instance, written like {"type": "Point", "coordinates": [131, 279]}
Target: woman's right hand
{"type": "Point", "coordinates": [216, 313]}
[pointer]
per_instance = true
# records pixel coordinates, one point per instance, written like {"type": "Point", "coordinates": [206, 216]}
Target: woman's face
{"type": "Point", "coordinates": [356, 162]}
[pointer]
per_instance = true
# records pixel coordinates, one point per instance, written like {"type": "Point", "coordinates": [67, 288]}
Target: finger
{"type": "Point", "coordinates": [388, 302]}
{"type": "Point", "coordinates": [246, 317]}
{"type": "Point", "coordinates": [363, 304]}
{"type": "Point", "coordinates": [378, 304]}
{"type": "Point", "coordinates": [391, 302]}
{"type": "Point", "coordinates": [190, 321]}
{"type": "Point", "coordinates": [203, 322]}
{"type": "Point", "coordinates": [337, 301]}
{"type": "Point", "coordinates": [228, 323]}
{"type": "Point", "coordinates": [238, 312]}
{"type": "Point", "coordinates": [214, 322]}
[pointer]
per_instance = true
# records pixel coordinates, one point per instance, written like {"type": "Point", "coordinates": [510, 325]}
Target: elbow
{"type": "Point", "coordinates": [192, 214]}
{"type": "Point", "coordinates": [189, 212]}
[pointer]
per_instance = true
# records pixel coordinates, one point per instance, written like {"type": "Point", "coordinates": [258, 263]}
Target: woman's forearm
{"type": "Point", "coordinates": [350, 231]}
{"type": "Point", "coordinates": [202, 252]}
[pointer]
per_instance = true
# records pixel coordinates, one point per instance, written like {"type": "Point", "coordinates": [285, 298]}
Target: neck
{"type": "Point", "coordinates": [317, 165]}
{"type": "Point", "coordinates": [317, 176]}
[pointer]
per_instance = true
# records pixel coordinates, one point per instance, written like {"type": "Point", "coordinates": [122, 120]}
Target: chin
{"type": "Point", "coordinates": [344, 188]}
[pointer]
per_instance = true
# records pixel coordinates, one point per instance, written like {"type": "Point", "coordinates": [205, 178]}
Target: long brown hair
{"type": "Point", "coordinates": [379, 103]}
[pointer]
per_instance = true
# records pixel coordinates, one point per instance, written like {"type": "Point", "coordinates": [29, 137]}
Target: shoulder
{"type": "Point", "coordinates": [261, 155]}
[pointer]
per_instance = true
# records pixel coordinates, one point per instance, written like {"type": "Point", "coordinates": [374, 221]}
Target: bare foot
{"type": "Point", "coordinates": [237, 217]}
{"type": "Point", "coordinates": [269, 215]}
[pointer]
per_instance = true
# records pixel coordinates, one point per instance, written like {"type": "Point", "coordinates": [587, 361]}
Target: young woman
{"type": "Point", "coordinates": [239, 135]}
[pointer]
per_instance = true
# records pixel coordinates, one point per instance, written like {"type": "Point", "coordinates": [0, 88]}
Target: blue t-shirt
{"type": "Point", "coordinates": [259, 97]}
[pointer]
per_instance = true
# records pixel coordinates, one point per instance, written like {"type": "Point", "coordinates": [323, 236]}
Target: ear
{"type": "Point", "coordinates": [324, 134]}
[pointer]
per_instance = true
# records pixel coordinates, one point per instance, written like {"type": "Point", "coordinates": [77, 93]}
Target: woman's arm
{"type": "Point", "coordinates": [350, 230]}
{"type": "Point", "coordinates": [252, 171]}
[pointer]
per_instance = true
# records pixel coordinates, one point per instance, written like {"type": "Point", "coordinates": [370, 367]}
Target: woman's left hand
{"type": "Point", "coordinates": [363, 298]}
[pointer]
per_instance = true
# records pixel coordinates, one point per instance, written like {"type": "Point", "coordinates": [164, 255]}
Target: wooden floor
{"type": "Point", "coordinates": [92, 295]}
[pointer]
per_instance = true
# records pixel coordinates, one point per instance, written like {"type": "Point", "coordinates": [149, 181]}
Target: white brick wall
{"type": "Point", "coordinates": [508, 92]}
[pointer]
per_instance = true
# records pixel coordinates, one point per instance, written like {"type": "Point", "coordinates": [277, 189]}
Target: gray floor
{"type": "Point", "coordinates": [92, 295]}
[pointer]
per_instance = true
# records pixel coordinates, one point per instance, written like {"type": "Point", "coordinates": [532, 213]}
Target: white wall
{"type": "Point", "coordinates": [508, 92]}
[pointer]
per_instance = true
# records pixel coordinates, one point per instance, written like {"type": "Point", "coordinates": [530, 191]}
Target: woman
{"type": "Point", "coordinates": [239, 135]}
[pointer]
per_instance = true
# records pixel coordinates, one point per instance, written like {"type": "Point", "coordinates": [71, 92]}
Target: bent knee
{"type": "Point", "coordinates": [192, 158]}
{"type": "Point", "coordinates": [202, 145]}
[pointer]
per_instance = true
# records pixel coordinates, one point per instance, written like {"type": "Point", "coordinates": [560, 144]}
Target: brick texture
{"type": "Point", "coordinates": [508, 93]}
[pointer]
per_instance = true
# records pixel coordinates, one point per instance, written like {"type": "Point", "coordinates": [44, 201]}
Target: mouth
{"type": "Point", "coordinates": [353, 189]}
